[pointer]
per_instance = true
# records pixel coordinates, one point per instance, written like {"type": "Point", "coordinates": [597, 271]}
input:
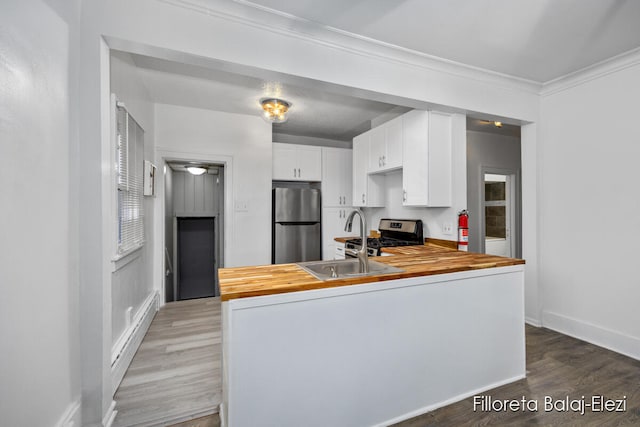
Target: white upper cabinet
{"type": "Point", "coordinates": [368, 190]}
{"type": "Point", "coordinates": [337, 177]}
{"type": "Point", "coordinates": [293, 162]}
{"type": "Point", "coordinates": [394, 136]}
{"type": "Point", "coordinates": [426, 168]}
{"type": "Point", "coordinates": [385, 152]}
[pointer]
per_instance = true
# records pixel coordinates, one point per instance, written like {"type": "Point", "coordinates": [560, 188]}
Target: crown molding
{"type": "Point", "coordinates": [251, 14]}
{"type": "Point", "coordinates": [600, 69]}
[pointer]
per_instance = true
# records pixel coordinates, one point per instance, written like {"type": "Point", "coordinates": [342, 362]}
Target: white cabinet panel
{"type": "Point", "coordinates": [337, 177]}
{"type": "Point", "coordinates": [293, 162]}
{"type": "Point", "coordinates": [385, 151]}
{"type": "Point", "coordinates": [377, 149]}
{"type": "Point", "coordinates": [360, 161]}
{"type": "Point", "coordinates": [426, 174]}
{"type": "Point", "coordinates": [333, 221]}
{"type": "Point", "coordinates": [309, 163]}
{"type": "Point", "coordinates": [368, 189]}
{"type": "Point", "coordinates": [394, 136]}
{"type": "Point", "coordinates": [284, 162]}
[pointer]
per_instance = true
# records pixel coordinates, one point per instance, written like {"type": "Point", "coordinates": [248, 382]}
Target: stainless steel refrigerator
{"type": "Point", "coordinates": [296, 225]}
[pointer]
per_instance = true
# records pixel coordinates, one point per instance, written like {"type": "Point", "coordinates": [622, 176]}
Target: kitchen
{"type": "Point", "coordinates": [563, 142]}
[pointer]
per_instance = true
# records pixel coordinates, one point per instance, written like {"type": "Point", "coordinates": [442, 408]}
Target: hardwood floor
{"type": "Point", "coordinates": [176, 373]}
{"type": "Point", "coordinates": [558, 366]}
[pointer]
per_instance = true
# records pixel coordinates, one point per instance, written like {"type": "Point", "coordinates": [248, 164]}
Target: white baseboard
{"type": "Point", "coordinates": [223, 415]}
{"type": "Point", "coordinates": [455, 399]}
{"type": "Point", "coordinates": [107, 420]}
{"type": "Point", "coordinates": [533, 322]}
{"type": "Point", "coordinates": [128, 344]}
{"type": "Point", "coordinates": [603, 337]}
{"type": "Point", "coordinates": [71, 416]}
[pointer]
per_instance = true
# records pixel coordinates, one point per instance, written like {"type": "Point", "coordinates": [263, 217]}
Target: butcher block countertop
{"type": "Point", "coordinates": [242, 282]}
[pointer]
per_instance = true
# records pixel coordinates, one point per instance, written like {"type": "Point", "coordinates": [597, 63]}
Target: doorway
{"type": "Point", "coordinates": [194, 224]}
{"type": "Point", "coordinates": [494, 198]}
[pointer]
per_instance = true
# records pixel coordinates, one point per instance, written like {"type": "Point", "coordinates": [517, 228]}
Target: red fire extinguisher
{"type": "Point", "coordinates": [463, 230]}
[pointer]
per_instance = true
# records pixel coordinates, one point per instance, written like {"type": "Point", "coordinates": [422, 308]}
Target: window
{"type": "Point", "coordinates": [129, 171]}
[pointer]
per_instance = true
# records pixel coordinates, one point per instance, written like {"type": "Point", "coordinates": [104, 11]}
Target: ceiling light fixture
{"type": "Point", "coordinates": [275, 110]}
{"type": "Point", "coordinates": [196, 170]}
{"type": "Point", "coordinates": [498, 124]}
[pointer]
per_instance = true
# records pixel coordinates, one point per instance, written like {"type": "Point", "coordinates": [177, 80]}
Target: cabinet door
{"type": "Point", "coordinates": [392, 159]}
{"type": "Point", "coordinates": [284, 162]}
{"type": "Point", "coordinates": [415, 167]}
{"type": "Point", "coordinates": [333, 221]}
{"type": "Point", "coordinates": [360, 163]}
{"type": "Point", "coordinates": [377, 149]}
{"type": "Point", "coordinates": [426, 174]}
{"type": "Point", "coordinates": [337, 177]}
{"type": "Point", "coordinates": [309, 163]}
{"type": "Point", "coordinates": [440, 158]}
{"type": "Point", "coordinates": [346, 176]}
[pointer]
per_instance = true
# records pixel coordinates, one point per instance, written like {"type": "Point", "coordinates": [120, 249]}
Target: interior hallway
{"type": "Point", "coordinates": [176, 373]}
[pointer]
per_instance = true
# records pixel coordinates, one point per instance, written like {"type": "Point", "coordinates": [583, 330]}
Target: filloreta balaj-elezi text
{"type": "Point", "coordinates": [582, 405]}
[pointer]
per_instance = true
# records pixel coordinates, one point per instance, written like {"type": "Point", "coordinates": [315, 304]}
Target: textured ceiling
{"type": "Point", "coordinates": [538, 40]}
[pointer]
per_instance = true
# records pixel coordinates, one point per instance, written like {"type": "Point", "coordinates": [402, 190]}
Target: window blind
{"type": "Point", "coordinates": [129, 163]}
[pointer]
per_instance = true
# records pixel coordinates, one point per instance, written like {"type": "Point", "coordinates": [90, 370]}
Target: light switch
{"type": "Point", "coordinates": [241, 206]}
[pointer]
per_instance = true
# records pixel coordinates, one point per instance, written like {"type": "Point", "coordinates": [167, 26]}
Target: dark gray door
{"type": "Point", "coordinates": [196, 258]}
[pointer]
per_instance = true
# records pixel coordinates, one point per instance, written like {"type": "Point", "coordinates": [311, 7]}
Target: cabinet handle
{"type": "Point", "coordinates": [299, 174]}
{"type": "Point", "coordinates": [362, 197]}
{"type": "Point", "coordinates": [384, 160]}
{"type": "Point", "coordinates": [379, 161]}
{"type": "Point", "coordinates": [404, 195]}
{"type": "Point", "coordinates": [294, 172]}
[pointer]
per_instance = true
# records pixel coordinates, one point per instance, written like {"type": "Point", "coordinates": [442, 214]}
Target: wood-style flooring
{"type": "Point", "coordinates": [176, 373]}
{"type": "Point", "coordinates": [557, 366]}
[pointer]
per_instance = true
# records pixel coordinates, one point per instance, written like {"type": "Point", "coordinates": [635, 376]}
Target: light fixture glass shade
{"type": "Point", "coordinates": [196, 170]}
{"type": "Point", "coordinates": [275, 110]}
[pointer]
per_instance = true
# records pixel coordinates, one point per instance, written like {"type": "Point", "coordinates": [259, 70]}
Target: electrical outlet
{"type": "Point", "coordinates": [447, 228]}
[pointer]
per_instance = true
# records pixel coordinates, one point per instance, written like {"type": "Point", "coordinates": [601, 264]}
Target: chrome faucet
{"type": "Point", "coordinates": [363, 259]}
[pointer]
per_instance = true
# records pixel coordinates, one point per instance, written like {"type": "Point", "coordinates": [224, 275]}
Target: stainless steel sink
{"type": "Point", "coordinates": [345, 268]}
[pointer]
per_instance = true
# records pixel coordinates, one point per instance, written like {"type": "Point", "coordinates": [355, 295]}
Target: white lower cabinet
{"type": "Point", "coordinates": [333, 222]}
{"type": "Point", "coordinates": [339, 254]}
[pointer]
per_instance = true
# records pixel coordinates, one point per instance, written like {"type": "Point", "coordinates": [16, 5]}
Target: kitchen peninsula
{"type": "Point", "coordinates": [369, 350]}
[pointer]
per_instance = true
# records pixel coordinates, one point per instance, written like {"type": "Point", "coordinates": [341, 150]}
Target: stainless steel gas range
{"type": "Point", "coordinates": [393, 232]}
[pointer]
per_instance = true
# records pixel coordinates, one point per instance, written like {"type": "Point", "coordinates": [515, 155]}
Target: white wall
{"type": "Point", "coordinates": [246, 142]}
{"type": "Point", "coordinates": [39, 331]}
{"type": "Point", "coordinates": [432, 218]}
{"type": "Point", "coordinates": [132, 284]}
{"type": "Point", "coordinates": [588, 210]}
